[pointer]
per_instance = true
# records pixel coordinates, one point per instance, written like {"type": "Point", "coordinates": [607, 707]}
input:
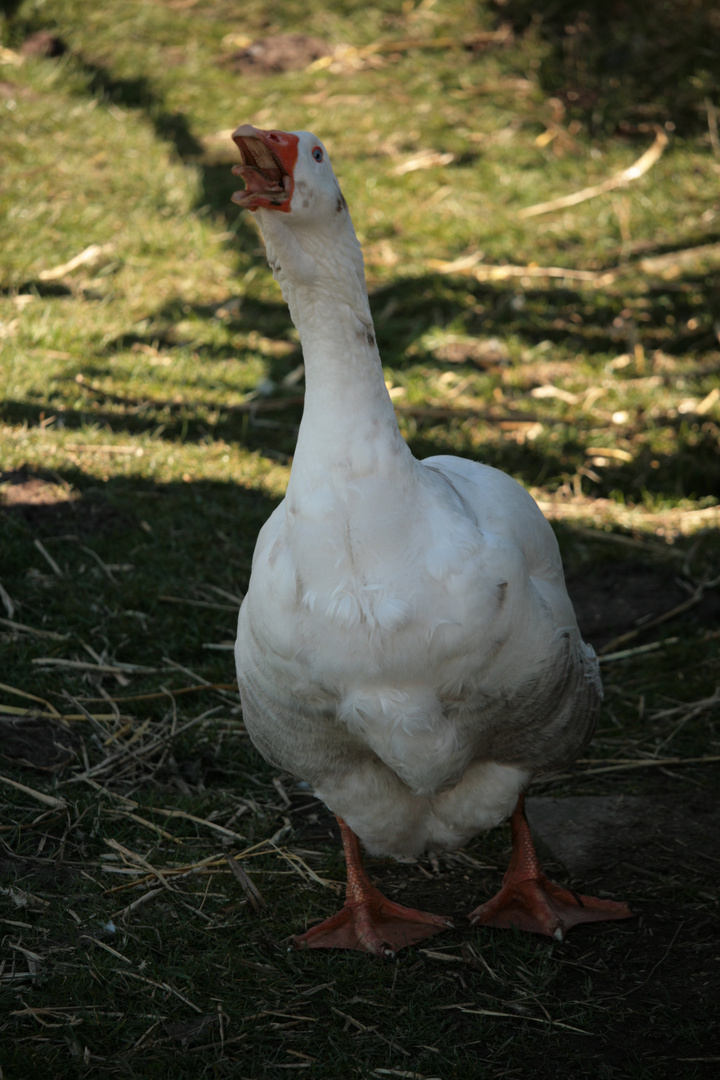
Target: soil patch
{"type": "Point", "coordinates": [280, 52]}
{"type": "Point", "coordinates": [37, 742]}
{"type": "Point", "coordinates": [607, 835]}
{"type": "Point", "coordinates": [49, 505]}
{"type": "Point", "coordinates": [614, 598]}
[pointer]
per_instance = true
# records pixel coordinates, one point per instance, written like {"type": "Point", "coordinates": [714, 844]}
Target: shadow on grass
{"type": "Point", "coordinates": [145, 570]}
{"type": "Point", "coordinates": [602, 321]}
{"type": "Point", "coordinates": [692, 470]}
{"type": "Point", "coordinates": [122, 546]}
{"type": "Point", "coordinates": [621, 66]}
{"type": "Point", "coordinates": [673, 318]}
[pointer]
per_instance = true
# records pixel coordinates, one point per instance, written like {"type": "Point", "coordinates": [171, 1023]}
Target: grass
{"type": "Point", "coordinates": [150, 403]}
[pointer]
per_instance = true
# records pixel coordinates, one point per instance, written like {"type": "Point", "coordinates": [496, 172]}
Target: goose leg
{"type": "Point", "coordinates": [369, 921]}
{"type": "Point", "coordinates": [528, 900]}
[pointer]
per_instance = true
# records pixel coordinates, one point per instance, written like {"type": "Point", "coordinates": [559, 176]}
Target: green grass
{"type": "Point", "coordinates": [150, 400]}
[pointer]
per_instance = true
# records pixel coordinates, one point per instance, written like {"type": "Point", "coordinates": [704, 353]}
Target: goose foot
{"type": "Point", "coordinates": [368, 921]}
{"type": "Point", "coordinates": [528, 900]}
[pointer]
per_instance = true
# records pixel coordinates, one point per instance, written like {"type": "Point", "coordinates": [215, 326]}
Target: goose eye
{"type": "Point", "coordinates": [317, 153]}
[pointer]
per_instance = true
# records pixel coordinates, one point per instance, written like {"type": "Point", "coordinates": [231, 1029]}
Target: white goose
{"type": "Point", "coordinates": [407, 645]}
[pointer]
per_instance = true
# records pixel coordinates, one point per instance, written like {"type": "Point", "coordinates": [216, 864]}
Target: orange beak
{"type": "Point", "coordinates": [268, 164]}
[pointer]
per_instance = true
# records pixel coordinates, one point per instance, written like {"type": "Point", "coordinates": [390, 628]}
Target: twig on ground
{"type": "Point", "coordinates": [665, 617]}
{"type": "Point", "coordinates": [92, 254]}
{"type": "Point", "coordinates": [103, 565]}
{"type": "Point", "coordinates": [185, 870]}
{"type": "Point", "coordinates": [25, 629]}
{"type": "Point", "coordinates": [107, 948]}
{"type": "Point", "coordinates": [149, 895]}
{"type": "Point", "coordinates": [516, 1017]}
{"type": "Point", "coordinates": [658, 264]}
{"type": "Point", "coordinates": [160, 877]}
{"type": "Point", "coordinates": [248, 886]}
{"type": "Point", "coordinates": [301, 867]}
{"type": "Point", "coordinates": [49, 800]}
{"type": "Point", "coordinates": [470, 266]}
{"type": "Point", "coordinates": [647, 763]}
{"type": "Point", "coordinates": [48, 558]}
{"type": "Point", "coordinates": [7, 601]}
{"type": "Point", "coordinates": [198, 678]}
{"type": "Point", "coordinates": [625, 654]}
{"type": "Point", "coordinates": [638, 169]}
{"type": "Point", "coordinates": [343, 55]}
{"type": "Point", "coordinates": [693, 707]}
{"type": "Point", "coordinates": [212, 862]}
{"type": "Point", "coordinates": [669, 523]}
{"type": "Point", "coordinates": [199, 821]}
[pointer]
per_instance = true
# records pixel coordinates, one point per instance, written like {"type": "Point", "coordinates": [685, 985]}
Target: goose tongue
{"type": "Point", "coordinates": [268, 162]}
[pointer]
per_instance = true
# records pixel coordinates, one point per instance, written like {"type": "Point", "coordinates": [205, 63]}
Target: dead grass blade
{"type": "Point", "coordinates": [672, 260]}
{"type": "Point", "coordinates": [160, 986]}
{"type": "Point", "coordinates": [138, 758]}
{"type": "Point", "coordinates": [301, 867]}
{"type": "Point", "coordinates": [119, 670]}
{"type": "Point", "coordinates": [200, 821]}
{"type": "Point", "coordinates": [159, 694]}
{"type": "Point", "coordinates": [149, 825]}
{"type": "Point", "coordinates": [170, 814]}
{"type": "Point", "coordinates": [189, 602]}
{"type": "Point", "coordinates": [518, 1016]}
{"type": "Point", "coordinates": [30, 697]}
{"type": "Point", "coordinates": [106, 947]}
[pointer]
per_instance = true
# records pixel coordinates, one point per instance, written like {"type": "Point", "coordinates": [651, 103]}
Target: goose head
{"type": "Point", "coordinates": [289, 171]}
{"type": "Point", "coordinates": [291, 188]}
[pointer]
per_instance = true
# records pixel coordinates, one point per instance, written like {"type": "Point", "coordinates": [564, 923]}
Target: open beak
{"type": "Point", "coordinates": [268, 163]}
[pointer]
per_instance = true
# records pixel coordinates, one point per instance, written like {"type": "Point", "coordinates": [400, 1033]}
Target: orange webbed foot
{"type": "Point", "coordinates": [528, 900]}
{"type": "Point", "coordinates": [368, 920]}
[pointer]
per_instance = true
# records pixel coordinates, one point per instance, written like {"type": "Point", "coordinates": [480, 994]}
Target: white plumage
{"type": "Point", "coordinates": [407, 645]}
